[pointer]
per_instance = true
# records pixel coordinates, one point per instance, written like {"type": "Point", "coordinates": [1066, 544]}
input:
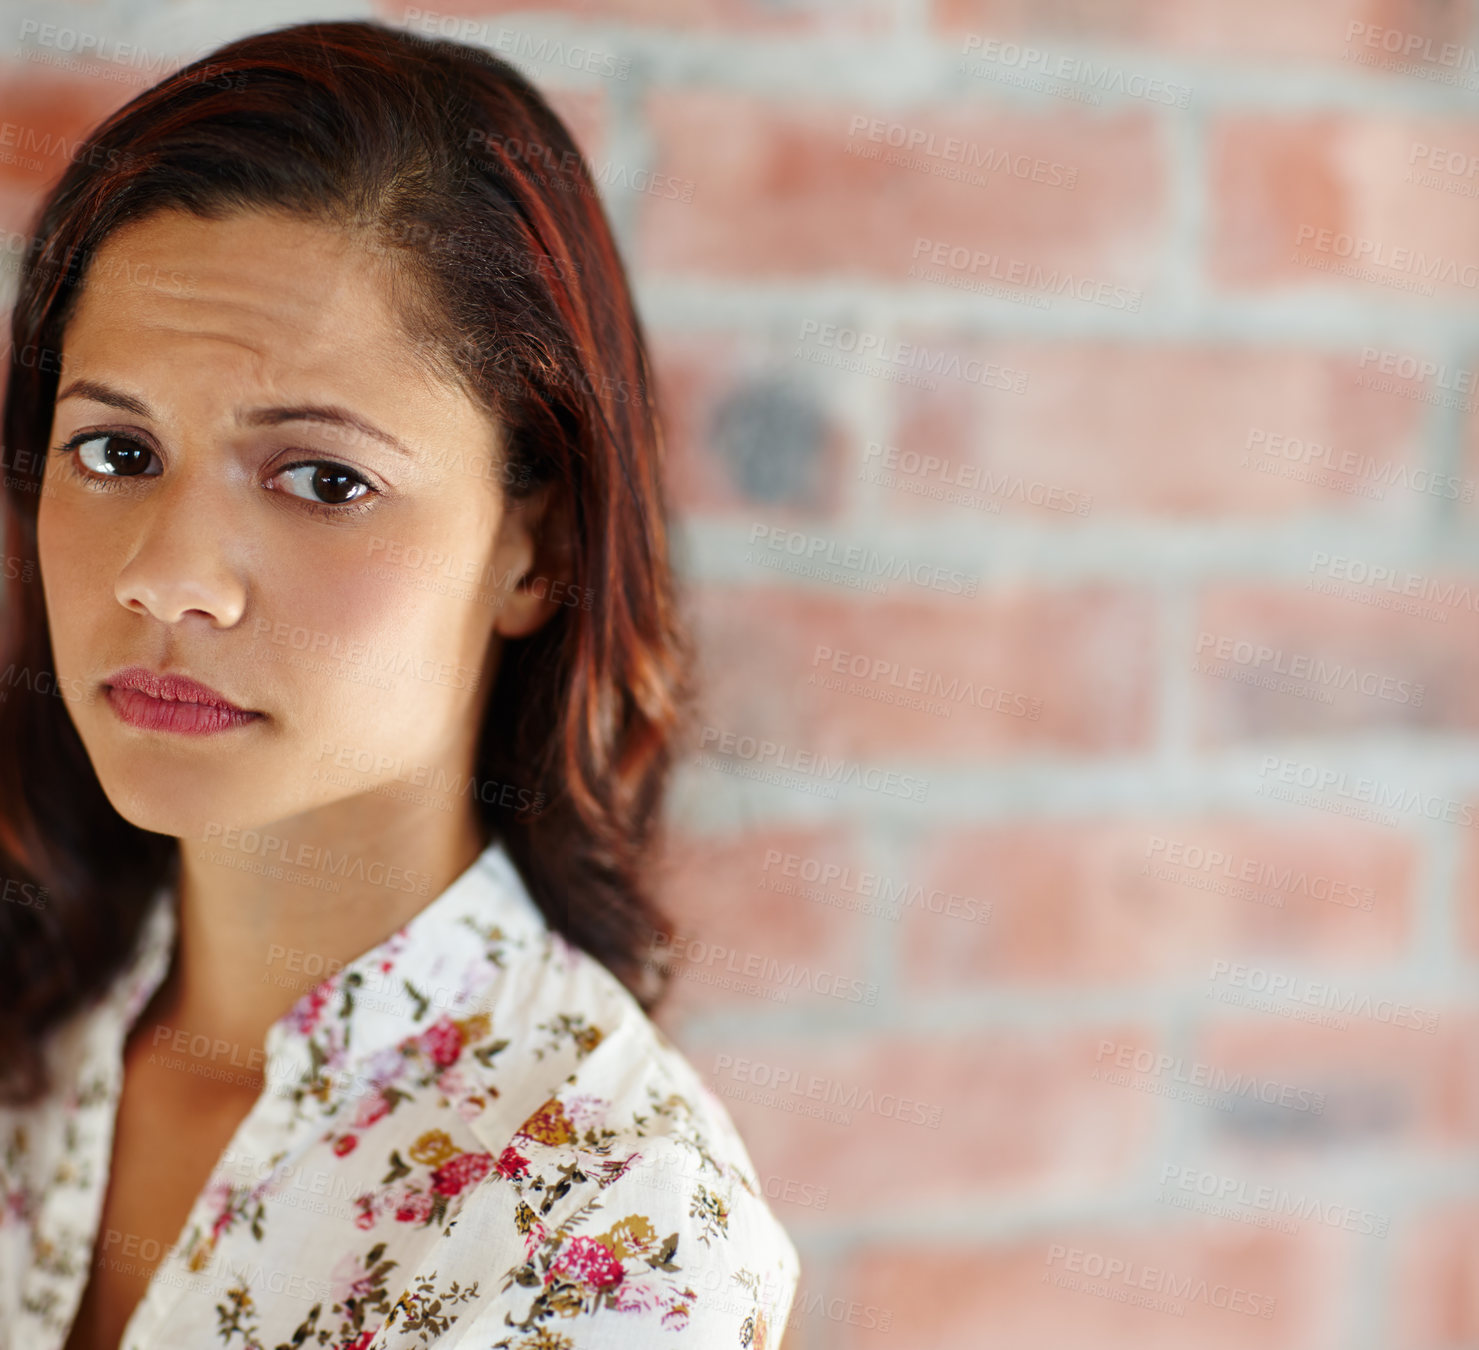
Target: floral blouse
{"type": "Point", "coordinates": [470, 1136]}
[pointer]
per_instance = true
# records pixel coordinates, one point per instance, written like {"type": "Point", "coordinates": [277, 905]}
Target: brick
{"type": "Point", "coordinates": [743, 431]}
{"type": "Point", "coordinates": [586, 113]}
{"type": "Point", "coordinates": [1384, 1084]}
{"type": "Point", "coordinates": [1320, 29]}
{"type": "Point", "coordinates": [1062, 1133]}
{"type": "Point", "coordinates": [44, 118]}
{"type": "Point", "coordinates": [1294, 200]}
{"type": "Point", "coordinates": [1457, 386]}
{"type": "Point", "coordinates": [1083, 429]}
{"type": "Point", "coordinates": [1435, 1298]}
{"type": "Point", "coordinates": [1433, 381]}
{"type": "Point", "coordinates": [829, 211]}
{"type": "Point", "coordinates": [747, 935]}
{"type": "Point", "coordinates": [944, 1294]}
{"type": "Point", "coordinates": [1079, 658]}
{"type": "Point", "coordinates": [1271, 662]}
{"type": "Point", "coordinates": [1129, 901]}
{"type": "Point", "coordinates": [1466, 895]}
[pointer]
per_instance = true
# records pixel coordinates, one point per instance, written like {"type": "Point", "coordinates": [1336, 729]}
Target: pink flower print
{"type": "Point", "coordinates": [366, 1216]}
{"type": "Point", "coordinates": [470, 1108]}
{"type": "Point", "coordinates": [442, 1042]}
{"type": "Point", "coordinates": [587, 1262]}
{"type": "Point", "coordinates": [638, 1295]}
{"type": "Point", "coordinates": [452, 1176]}
{"type": "Point", "coordinates": [226, 1201]}
{"type": "Point", "coordinates": [375, 1105]}
{"type": "Point", "coordinates": [415, 1207]}
{"type": "Point", "coordinates": [452, 1083]}
{"type": "Point", "coordinates": [586, 1111]}
{"type": "Point", "coordinates": [385, 1066]}
{"type": "Point", "coordinates": [307, 1010]}
{"type": "Point", "coordinates": [348, 1279]}
{"type": "Point", "coordinates": [345, 1144]}
{"type": "Point", "coordinates": [534, 1239]}
{"type": "Point", "coordinates": [512, 1163]}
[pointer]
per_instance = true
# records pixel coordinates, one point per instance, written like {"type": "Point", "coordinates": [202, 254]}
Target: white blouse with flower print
{"type": "Point", "coordinates": [471, 1135]}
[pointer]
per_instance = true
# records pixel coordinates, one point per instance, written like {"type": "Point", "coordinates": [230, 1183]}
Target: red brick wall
{"type": "Point", "coordinates": [1088, 482]}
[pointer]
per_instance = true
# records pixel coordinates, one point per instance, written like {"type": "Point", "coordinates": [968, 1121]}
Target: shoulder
{"type": "Point", "coordinates": [635, 1203]}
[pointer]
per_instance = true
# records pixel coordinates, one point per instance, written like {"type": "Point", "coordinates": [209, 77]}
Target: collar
{"type": "Point", "coordinates": [413, 982]}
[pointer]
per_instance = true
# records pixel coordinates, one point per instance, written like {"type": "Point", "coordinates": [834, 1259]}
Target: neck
{"type": "Point", "coordinates": [265, 915]}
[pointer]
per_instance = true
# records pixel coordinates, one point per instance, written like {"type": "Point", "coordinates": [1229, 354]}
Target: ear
{"type": "Point", "coordinates": [534, 561]}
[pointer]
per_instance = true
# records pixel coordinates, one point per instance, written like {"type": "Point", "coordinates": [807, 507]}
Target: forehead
{"type": "Point", "coordinates": [260, 292]}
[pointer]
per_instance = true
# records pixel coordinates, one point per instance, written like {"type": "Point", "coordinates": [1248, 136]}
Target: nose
{"type": "Point", "coordinates": [183, 561]}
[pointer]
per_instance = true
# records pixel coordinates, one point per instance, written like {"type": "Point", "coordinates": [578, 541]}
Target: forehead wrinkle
{"type": "Point", "coordinates": [365, 311]}
{"type": "Point", "coordinates": [317, 314]}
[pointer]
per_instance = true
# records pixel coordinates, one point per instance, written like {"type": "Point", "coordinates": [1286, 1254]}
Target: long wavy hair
{"type": "Point", "coordinates": [508, 281]}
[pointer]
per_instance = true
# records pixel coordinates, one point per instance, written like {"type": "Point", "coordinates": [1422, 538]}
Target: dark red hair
{"type": "Point", "coordinates": [508, 282]}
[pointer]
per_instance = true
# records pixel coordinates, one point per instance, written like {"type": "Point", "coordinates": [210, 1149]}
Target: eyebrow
{"type": "Point", "coordinates": [328, 413]}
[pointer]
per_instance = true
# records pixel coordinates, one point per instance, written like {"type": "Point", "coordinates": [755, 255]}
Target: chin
{"type": "Point", "coordinates": [172, 808]}
{"type": "Point", "coordinates": [166, 794]}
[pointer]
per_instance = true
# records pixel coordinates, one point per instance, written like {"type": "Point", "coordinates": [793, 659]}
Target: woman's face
{"type": "Point", "coordinates": [359, 622]}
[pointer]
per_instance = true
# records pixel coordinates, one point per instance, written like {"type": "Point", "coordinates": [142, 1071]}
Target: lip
{"type": "Point", "coordinates": [154, 701]}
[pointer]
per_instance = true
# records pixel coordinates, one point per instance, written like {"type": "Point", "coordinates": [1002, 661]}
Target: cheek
{"type": "Point", "coordinates": [373, 660]}
{"type": "Point", "coordinates": [75, 581]}
{"type": "Point", "coordinates": [330, 604]}
{"type": "Point", "coordinates": [454, 626]}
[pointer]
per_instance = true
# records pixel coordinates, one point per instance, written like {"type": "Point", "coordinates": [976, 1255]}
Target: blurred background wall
{"type": "Point", "coordinates": [1073, 438]}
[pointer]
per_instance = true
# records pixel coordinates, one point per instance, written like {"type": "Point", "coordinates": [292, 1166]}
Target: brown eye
{"type": "Point", "coordinates": [124, 457]}
{"type": "Point", "coordinates": [333, 483]}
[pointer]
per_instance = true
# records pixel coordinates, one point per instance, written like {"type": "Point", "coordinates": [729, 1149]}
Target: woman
{"type": "Point", "coordinates": [342, 680]}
